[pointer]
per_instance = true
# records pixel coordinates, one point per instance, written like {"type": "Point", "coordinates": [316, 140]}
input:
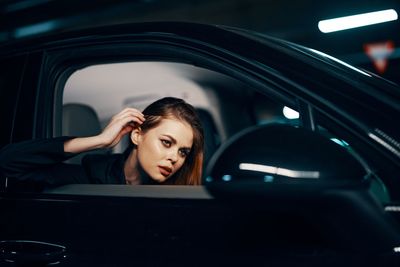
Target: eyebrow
{"type": "Point", "coordinates": [174, 141]}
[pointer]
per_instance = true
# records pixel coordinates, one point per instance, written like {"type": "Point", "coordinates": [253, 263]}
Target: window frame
{"type": "Point", "coordinates": [52, 85]}
{"type": "Point", "coordinates": [59, 63]}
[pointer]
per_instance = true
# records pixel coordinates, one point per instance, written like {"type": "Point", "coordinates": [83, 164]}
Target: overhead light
{"type": "Point", "coordinates": [360, 20]}
{"type": "Point", "coordinates": [290, 113]}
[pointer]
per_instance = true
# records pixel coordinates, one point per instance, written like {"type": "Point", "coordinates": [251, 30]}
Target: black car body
{"type": "Point", "coordinates": [342, 218]}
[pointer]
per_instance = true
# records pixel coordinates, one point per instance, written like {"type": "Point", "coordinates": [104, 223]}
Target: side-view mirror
{"type": "Point", "coordinates": [283, 169]}
{"type": "Point", "coordinates": [282, 161]}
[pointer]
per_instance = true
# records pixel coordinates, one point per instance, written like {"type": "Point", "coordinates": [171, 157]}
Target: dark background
{"type": "Point", "coordinates": [294, 20]}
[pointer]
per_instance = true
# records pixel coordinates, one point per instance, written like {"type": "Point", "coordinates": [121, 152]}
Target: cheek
{"type": "Point", "coordinates": [149, 153]}
{"type": "Point", "coordinates": [151, 148]}
{"type": "Point", "coordinates": [179, 164]}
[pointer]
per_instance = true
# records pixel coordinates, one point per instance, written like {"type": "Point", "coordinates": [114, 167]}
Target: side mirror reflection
{"type": "Point", "coordinates": [277, 160]}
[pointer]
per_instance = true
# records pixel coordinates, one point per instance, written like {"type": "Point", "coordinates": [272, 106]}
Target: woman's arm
{"type": "Point", "coordinates": [28, 160]}
{"type": "Point", "coordinates": [121, 124]}
{"type": "Point", "coordinates": [41, 159]}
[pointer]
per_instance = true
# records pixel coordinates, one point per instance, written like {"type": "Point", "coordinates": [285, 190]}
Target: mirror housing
{"type": "Point", "coordinates": [282, 161]}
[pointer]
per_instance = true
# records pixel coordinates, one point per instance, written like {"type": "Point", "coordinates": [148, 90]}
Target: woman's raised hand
{"type": "Point", "coordinates": [121, 124]}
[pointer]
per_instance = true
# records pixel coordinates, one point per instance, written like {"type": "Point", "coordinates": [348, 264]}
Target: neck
{"type": "Point", "coordinates": [131, 169]}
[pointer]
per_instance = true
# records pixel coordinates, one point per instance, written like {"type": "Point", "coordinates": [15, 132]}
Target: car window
{"type": "Point", "coordinates": [267, 110]}
{"type": "Point", "coordinates": [226, 106]}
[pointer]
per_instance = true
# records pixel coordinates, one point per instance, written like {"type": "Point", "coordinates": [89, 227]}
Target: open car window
{"type": "Point", "coordinates": [225, 105]}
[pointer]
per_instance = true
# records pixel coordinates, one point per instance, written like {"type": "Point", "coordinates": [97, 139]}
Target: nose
{"type": "Point", "coordinates": [173, 156]}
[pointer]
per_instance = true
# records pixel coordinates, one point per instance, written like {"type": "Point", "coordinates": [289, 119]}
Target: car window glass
{"type": "Point", "coordinates": [267, 110]}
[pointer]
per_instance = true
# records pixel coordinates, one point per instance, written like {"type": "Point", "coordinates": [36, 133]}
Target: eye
{"type": "Point", "coordinates": [184, 152]}
{"type": "Point", "coordinates": [166, 143]}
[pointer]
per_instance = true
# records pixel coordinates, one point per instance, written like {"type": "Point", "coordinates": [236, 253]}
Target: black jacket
{"type": "Point", "coordinates": [41, 161]}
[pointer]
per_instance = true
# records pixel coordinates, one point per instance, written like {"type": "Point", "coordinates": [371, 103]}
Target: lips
{"type": "Point", "coordinates": [165, 171]}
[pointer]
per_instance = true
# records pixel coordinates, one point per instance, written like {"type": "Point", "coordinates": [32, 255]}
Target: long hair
{"type": "Point", "coordinates": [170, 107]}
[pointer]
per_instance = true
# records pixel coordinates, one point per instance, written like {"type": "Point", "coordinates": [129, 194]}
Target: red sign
{"type": "Point", "coordinates": [379, 53]}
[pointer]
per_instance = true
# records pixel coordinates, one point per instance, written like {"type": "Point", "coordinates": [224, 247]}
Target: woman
{"type": "Point", "coordinates": [166, 148]}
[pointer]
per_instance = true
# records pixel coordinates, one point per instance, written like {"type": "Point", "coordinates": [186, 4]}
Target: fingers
{"type": "Point", "coordinates": [124, 131]}
{"type": "Point", "coordinates": [128, 116]}
{"type": "Point", "coordinates": [120, 124]}
{"type": "Point", "coordinates": [136, 115]}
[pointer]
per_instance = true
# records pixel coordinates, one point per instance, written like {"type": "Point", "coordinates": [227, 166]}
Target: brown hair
{"type": "Point", "coordinates": [171, 107]}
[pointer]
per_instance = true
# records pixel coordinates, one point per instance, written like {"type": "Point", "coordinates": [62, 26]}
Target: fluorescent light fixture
{"type": "Point", "coordinates": [360, 20]}
{"type": "Point", "coordinates": [290, 113]}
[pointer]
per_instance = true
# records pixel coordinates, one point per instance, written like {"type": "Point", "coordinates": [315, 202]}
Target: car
{"type": "Point", "coordinates": [315, 187]}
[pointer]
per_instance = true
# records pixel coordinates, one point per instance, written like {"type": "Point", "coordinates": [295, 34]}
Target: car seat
{"type": "Point", "coordinates": [80, 120]}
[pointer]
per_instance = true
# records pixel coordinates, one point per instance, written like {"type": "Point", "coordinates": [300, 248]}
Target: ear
{"type": "Point", "coordinates": [136, 136]}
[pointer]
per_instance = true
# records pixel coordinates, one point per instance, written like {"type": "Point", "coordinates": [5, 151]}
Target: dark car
{"type": "Point", "coordinates": [319, 187]}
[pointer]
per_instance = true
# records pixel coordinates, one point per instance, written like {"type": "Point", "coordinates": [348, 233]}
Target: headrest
{"type": "Point", "coordinates": [80, 120]}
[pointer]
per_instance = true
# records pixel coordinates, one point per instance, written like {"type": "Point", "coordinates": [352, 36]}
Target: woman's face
{"type": "Point", "coordinates": [162, 150]}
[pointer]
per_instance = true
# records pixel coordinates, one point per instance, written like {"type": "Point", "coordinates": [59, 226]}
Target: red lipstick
{"type": "Point", "coordinates": [165, 171]}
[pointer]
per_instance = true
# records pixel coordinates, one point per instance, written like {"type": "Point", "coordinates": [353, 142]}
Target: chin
{"type": "Point", "coordinates": [159, 178]}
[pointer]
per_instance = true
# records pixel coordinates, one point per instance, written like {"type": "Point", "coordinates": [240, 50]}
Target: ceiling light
{"type": "Point", "coordinates": [360, 20]}
{"type": "Point", "coordinates": [290, 113]}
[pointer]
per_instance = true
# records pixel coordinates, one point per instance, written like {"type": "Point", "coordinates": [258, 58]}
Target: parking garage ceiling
{"type": "Point", "coordinates": [295, 20]}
